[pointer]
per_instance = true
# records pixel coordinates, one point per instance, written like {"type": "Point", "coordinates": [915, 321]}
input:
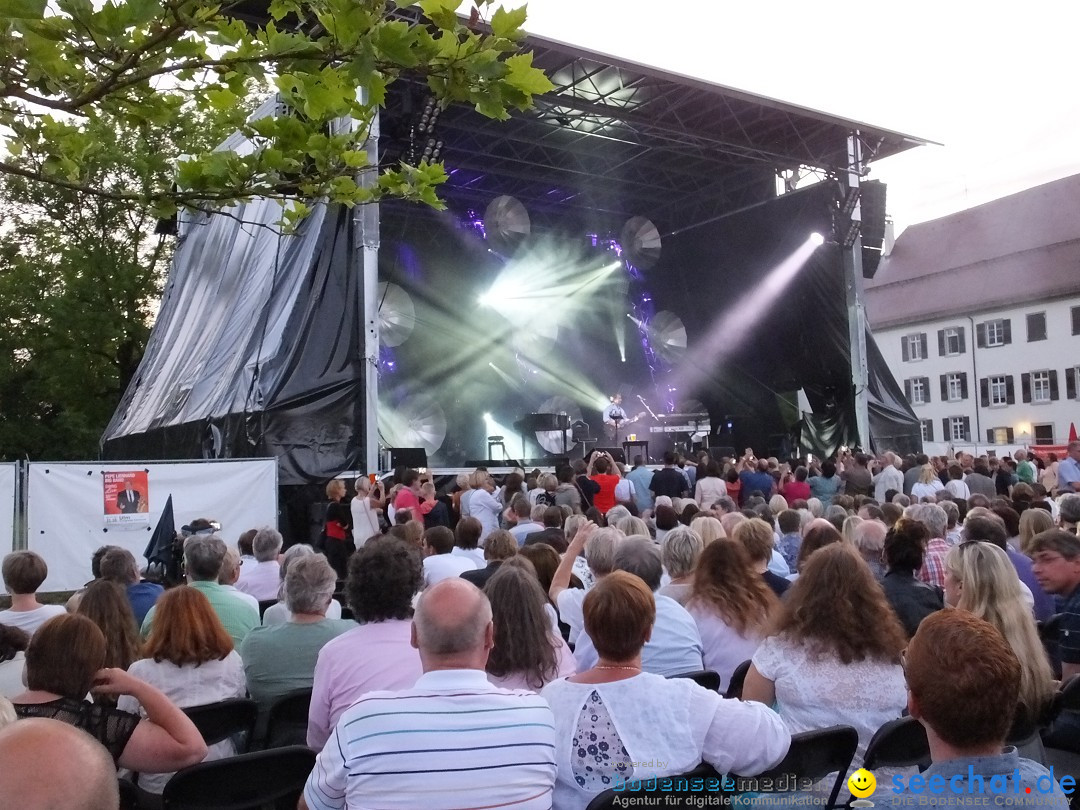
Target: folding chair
{"type": "Point", "coordinates": [287, 722]}
{"type": "Point", "coordinates": [257, 781]}
{"type": "Point", "coordinates": [264, 604]}
{"type": "Point", "coordinates": [738, 677]}
{"type": "Point", "coordinates": [704, 677]}
{"type": "Point", "coordinates": [816, 754]}
{"type": "Point", "coordinates": [899, 743]}
{"type": "Point", "coordinates": [227, 718]}
{"type": "Point", "coordinates": [682, 791]}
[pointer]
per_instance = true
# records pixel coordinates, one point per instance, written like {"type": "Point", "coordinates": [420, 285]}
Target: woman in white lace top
{"type": "Point", "coordinates": [615, 723]}
{"type": "Point", "coordinates": [833, 656]}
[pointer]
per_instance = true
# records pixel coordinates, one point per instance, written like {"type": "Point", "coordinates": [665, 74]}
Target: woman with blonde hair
{"type": "Point", "coordinates": [708, 528]}
{"type": "Point", "coordinates": [777, 504]}
{"type": "Point", "coordinates": [680, 553]}
{"type": "Point", "coordinates": [631, 525]}
{"type": "Point", "coordinates": [928, 485]}
{"type": "Point", "coordinates": [191, 659]}
{"type": "Point", "coordinates": [337, 527]}
{"type": "Point", "coordinates": [731, 605]}
{"type": "Point", "coordinates": [848, 530]}
{"type": "Point", "coordinates": [980, 578]}
{"type": "Point", "coordinates": [833, 654]}
{"type": "Point", "coordinates": [1032, 522]}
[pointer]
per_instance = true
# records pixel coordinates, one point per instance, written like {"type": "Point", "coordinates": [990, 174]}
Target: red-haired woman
{"type": "Point", "coordinates": [190, 658]}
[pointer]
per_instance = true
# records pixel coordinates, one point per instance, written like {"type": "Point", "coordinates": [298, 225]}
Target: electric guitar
{"type": "Point", "coordinates": [612, 428]}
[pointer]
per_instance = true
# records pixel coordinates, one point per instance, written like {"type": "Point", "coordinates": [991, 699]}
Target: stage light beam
{"type": "Point", "coordinates": [816, 239]}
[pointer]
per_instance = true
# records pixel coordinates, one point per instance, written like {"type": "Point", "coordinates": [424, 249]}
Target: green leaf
{"type": "Point", "coordinates": [221, 98]}
{"type": "Point", "coordinates": [506, 23]}
{"type": "Point", "coordinates": [523, 76]}
{"type": "Point", "coordinates": [22, 9]}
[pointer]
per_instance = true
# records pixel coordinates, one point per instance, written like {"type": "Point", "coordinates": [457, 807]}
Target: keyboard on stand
{"type": "Point", "coordinates": [681, 423]}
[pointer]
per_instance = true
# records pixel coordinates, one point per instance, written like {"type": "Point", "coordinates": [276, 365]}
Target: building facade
{"type": "Point", "coordinates": [978, 317]}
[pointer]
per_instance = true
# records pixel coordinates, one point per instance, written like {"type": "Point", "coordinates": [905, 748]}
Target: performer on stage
{"type": "Point", "coordinates": [614, 413]}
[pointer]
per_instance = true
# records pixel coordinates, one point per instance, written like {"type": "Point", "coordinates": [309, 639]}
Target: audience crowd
{"type": "Point", "coordinates": [517, 642]}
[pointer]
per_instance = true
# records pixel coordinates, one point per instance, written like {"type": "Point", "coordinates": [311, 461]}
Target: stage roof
{"type": "Point", "coordinates": [620, 138]}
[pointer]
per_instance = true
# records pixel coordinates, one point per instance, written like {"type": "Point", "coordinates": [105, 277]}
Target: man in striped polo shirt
{"type": "Point", "coordinates": [452, 741]}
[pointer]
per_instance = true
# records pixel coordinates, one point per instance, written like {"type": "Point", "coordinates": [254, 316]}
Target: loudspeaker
{"type": "Point", "coordinates": [718, 453]}
{"type": "Point", "coordinates": [872, 208]}
{"type": "Point", "coordinates": [615, 452]}
{"type": "Point", "coordinates": [408, 457]}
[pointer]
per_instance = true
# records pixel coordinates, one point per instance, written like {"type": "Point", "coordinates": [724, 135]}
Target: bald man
{"type": "Point", "coordinates": [453, 736]}
{"type": "Point", "coordinates": [80, 774]}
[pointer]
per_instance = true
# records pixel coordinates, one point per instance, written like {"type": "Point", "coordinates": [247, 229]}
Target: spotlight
{"type": "Point", "coordinates": [487, 417]}
{"type": "Point", "coordinates": [817, 239]}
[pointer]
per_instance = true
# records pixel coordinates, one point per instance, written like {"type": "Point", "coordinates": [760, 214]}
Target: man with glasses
{"type": "Point", "coordinates": [963, 687]}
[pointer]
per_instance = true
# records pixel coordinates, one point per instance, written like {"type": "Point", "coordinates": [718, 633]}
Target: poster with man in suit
{"type": "Point", "coordinates": [127, 498]}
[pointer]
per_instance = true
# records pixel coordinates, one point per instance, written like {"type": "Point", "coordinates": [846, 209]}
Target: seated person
{"type": "Point", "coordinates": [23, 572]}
{"type": "Point", "coordinates": [614, 714]}
{"type": "Point", "coordinates": [280, 658]}
{"type": "Point", "coordinates": [963, 687]}
{"type": "Point", "coordinates": [261, 579]}
{"type": "Point", "coordinates": [279, 613]}
{"type": "Point", "coordinates": [731, 605]}
{"type": "Point", "coordinates": [912, 599]}
{"type": "Point", "coordinates": [64, 663]}
{"type": "Point", "coordinates": [384, 576]}
{"type": "Point", "coordinates": [81, 774]}
{"type": "Point", "coordinates": [833, 654]}
{"type": "Point", "coordinates": [191, 659]}
{"type": "Point", "coordinates": [674, 645]}
{"type": "Point", "coordinates": [528, 651]}
{"type": "Point", "coordinates": [119, 566]}
{"type": "Point", "coordinates": [439, 561]}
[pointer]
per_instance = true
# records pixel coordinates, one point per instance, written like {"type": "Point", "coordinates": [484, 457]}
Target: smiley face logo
{"type": "Point", "coordinates": [862, 784]}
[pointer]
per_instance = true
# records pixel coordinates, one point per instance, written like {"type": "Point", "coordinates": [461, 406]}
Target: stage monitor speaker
{"type": "Point", "coordinates": [615, 452]}
{"type": "Point", "coordinates": [408, 457]}
{"type": "Point", "coordinates": [720, 452]}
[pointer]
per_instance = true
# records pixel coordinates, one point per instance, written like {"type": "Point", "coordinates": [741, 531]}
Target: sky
{"type": "Point", "coordinates": [994, 83]}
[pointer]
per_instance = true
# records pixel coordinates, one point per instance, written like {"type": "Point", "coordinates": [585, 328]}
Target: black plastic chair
{"type": "Point", "coordinates": [227, 718]}
{"type": "Point", "coordinates": [899, 743]}
{"type": "Point", "coordinates": [814, 755]}
{"type": "Point", "coordinates": [129, 795]}
{"type": "Point", "coordinates": [254, 781]}
{"type": "Point", "coordinates": [682, 791]}
{"type": "Point", "coordinates": [738, 677]}
{"type": "Point", "coordinates": [287, 722]}
{"type": "Point", "coordinates": [703, 677]}
{"type": "Point", "coordinates": [264, 604]}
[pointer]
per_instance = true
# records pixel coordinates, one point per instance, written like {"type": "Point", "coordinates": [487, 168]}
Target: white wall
{"type": "Point", "coordinates": [65, 512]}
{"type": "Point", "coordinates": [1060, 351]}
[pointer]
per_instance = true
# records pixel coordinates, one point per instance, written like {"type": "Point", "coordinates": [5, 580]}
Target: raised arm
{"type": "Point", "coordinates": [561, 581]}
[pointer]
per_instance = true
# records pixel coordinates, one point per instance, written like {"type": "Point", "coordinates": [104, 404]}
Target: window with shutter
{"type": "Point", "coordinates": [927, 426]}
{"type": "Point", "coordinates": [1036, 326]}
{"type": "Point", "coordinates": [999, 392]}
{"type": "Point", "coordinates": [1071, 377]}
{"type": "Point", "coordinates": [1041, 390]}
{"type": "Point", "coordinates": [1010, 390]}
{"type": "Point", "coordinates": [984, 392]}
{"type": "Point", "coordinates": [951, 341]}
{"type": "Point", "coordinates": [967, 429]}
{"type": "Point", "coordinates": [980, 335]}
{"type": "Point", "coordinates": [995, 332]}
{"type": "Point", "coordinates": [1054, 395]}
{"type": "Point", "coordinates": [1006, 331]}
{"type": "Point", "coordinates": [1025, 387]}
{"type": "Point", "coordinates": [1076, 320]}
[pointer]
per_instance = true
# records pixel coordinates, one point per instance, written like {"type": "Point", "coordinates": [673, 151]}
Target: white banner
{"type": "Point", "coordinates": [66, 522]}
{"type": "Point", "coordinates": [8, 475]}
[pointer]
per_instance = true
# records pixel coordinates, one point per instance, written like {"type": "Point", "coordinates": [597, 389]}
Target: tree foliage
{"type": "Point", "coordinates": [79, 277]}
{"type": "Point", "coordinates": [146, 63]}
